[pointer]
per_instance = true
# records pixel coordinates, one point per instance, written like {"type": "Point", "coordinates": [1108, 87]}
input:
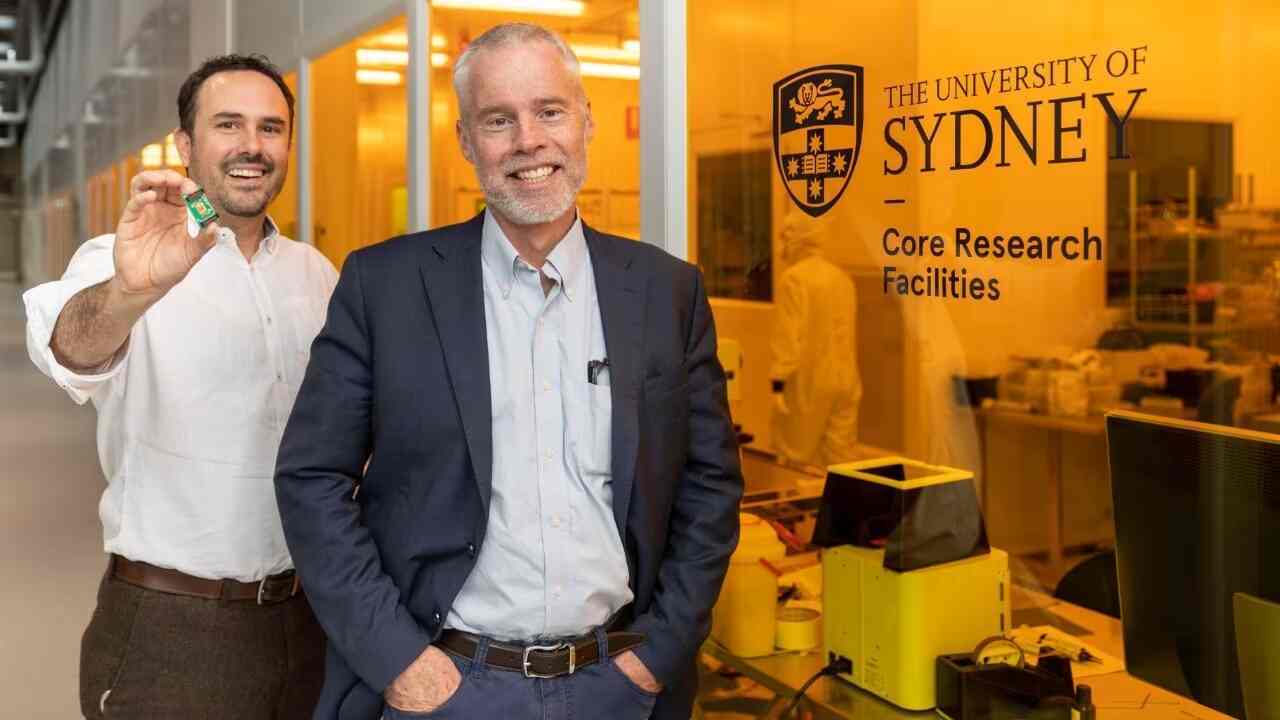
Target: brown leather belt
{"type": "Point", "coordinates": [268, 591]}
{"type": "Point", "coordinates": [539, 661]}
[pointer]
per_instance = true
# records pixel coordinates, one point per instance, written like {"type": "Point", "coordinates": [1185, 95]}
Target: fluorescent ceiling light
{"type": "Point", "coordinates": [9, 22]}
{"type": "Point", "coordinates": [610, 70]}
{"type": "Point", "coordinates": [604, 52]}
{"type": "Point", "coordinates": [378, 77]}
{"type": "Point", "coordinates": [153, 156]}
{"type": "Point", "coordinates": [400, 39]}
{"type": "Point", "coordinates": [567, 8]}
{"type": "Point", "coordinates": [171, 156]}
{"type": "Point", "coordinates": [631, 46]}
{"type": "Point", "coordinates": [396, 58]}
{"type": "Point", "coordinates": [395, 38]}
{"type": "Point", "coordinates": [370, 56]}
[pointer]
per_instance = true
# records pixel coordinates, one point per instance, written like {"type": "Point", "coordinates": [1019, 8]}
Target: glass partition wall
{"type": "Point", "coordinates": [905, 209]}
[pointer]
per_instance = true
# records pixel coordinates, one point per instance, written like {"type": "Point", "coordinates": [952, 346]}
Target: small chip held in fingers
{"type": "Point", "coordinates": [200, 208]}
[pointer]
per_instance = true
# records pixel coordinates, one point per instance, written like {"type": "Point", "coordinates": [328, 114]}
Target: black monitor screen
{"type": "Point", "coordinates": [1197, 514]}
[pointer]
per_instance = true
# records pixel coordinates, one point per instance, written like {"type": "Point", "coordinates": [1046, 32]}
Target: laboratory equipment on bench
{"type": "Point", "coordinates": [908, 574]}
{"type": "Point", "coordinates": [997, 681]}
{"type": "Point", "coordinates": [745, 615]}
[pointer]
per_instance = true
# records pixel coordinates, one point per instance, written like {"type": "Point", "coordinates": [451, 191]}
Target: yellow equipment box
{"type": "Point", "coordinates": [893, 625]}
{"type": "Point", "coordinates": [907, 574]}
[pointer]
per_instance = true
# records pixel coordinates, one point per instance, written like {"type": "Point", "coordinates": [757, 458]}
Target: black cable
{"type": "Point", "coordinates": [835, 667]}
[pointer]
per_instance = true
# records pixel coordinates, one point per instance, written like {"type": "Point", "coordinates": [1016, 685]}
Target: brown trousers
{"type": "Point", "coordinates": [153, 655]}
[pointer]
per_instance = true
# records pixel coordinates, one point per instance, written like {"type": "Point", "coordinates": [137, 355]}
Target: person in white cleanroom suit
{"type": "Point", "coordinates": [815, 380]}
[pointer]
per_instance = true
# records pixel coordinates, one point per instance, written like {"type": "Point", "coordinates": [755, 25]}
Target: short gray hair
{"type": "Point", "coordinates": [504, 35]}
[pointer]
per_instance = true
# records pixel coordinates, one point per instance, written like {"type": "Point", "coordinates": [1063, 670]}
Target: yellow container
{"type": "Point", "coordinates": [745, 615]}
{"type": "Point", "coordinates": [799, 628]}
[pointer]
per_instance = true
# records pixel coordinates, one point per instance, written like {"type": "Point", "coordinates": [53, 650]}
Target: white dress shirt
{"type": "Point", "coordinates": [190, 414]}
{"type": "Point", "coordinates": [552, 563]}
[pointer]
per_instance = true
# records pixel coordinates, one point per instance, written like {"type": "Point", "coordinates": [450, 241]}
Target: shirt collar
{"type": "Point", "coordinates": [270, 236]}
{"type": "Point", "coordinates": [567, 258]}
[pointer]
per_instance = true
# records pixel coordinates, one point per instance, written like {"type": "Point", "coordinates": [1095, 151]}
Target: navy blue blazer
{"type": "Point", "coordinates": [399, 378]}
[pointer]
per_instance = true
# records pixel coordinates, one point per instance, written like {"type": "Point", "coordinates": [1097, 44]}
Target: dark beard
{"type": "Point", "coordinates": [247, 210]}
{"type": "Point", "coordinates": [221, 195]}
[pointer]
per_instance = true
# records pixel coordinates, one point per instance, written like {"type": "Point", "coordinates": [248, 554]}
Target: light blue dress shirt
{"type": "Point", "coordinates": [552, 563]}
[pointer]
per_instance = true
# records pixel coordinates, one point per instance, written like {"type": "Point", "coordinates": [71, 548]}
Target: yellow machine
{"type": "Point", "coordinates": [893, 625]}
{"type": "Point", "coordinates": [907, 574]}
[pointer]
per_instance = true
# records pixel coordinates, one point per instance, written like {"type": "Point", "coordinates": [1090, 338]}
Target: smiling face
{"type": "Point", "coordinates": [525, 125]}
{"type": "Point", "coordinates": [240, 150]}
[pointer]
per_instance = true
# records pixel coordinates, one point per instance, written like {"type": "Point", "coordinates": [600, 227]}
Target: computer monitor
{"type": "Point", "coordinates": [1197, 515]}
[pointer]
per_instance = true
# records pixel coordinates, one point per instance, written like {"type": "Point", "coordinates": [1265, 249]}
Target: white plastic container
{"type": "Point", "coordinates": [745, 616]}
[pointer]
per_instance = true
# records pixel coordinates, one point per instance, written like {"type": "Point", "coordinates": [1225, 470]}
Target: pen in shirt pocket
{"type": "Point", "coordinates": [598, 371]}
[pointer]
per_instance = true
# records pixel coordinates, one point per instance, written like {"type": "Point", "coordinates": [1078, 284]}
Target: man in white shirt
{"type": "Point", "coordinates": [192, 344]}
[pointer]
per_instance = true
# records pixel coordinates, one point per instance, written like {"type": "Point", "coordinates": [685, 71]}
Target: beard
{"type": "Point", "coordinates": [238, 202]}
{"type": "Point", "coordinates": [533, 207]}
{"type": "Point", "coordinates": [248, 205]}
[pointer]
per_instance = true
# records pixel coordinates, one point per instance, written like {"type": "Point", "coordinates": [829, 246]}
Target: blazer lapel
{"type": "Point", "coordinates": [620, 293]}
{"type": "Point", "coordinates": [451, 273]}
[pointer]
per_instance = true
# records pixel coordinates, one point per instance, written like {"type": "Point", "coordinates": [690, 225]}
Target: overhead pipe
{"type": "Point", "coordinates": [19, 115]}
{"type": "Point", "coordinates": [91, 116]}
{"type": "Point", "coordinates": [32, 65]}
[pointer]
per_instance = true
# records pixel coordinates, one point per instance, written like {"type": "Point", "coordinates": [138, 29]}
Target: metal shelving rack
{"type": "Point", "coordinates": [1193, 328]}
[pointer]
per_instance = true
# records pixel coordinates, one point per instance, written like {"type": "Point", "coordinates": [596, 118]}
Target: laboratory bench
{"type": "Point", "coordinates": [1117, 695]}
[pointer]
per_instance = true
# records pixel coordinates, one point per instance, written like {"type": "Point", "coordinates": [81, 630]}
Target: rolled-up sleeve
{"type": "Point", "coordinates": [91, 264]}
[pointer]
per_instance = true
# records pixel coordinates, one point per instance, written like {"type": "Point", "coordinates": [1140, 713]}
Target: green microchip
{"type": "Point", "coordinates": [200, 207]}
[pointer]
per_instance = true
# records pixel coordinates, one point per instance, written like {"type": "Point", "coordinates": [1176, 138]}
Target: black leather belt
{"type": "Point", "coordinates": [268, 591]}
{"type": "Point", "coordinates": [539, 661]}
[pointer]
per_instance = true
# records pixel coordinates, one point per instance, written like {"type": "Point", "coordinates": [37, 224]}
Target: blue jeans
{"type": "Point", "coordinates": [599, 690]}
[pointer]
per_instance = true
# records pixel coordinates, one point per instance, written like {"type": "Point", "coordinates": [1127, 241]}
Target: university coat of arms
{"type": "Point", "coordinates": [817, 133]}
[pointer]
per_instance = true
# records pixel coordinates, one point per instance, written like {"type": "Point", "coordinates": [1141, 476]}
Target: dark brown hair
{"type": "Point", "coordinates": [226, 63]}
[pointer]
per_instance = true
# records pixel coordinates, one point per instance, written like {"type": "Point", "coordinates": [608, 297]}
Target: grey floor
{"type": "Point", "coordinates": [50, 540]}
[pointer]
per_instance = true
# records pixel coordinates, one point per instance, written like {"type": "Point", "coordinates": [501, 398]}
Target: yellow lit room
{"type": "Point", "coordinates": [361, 116]}
{"type": "Point", "coordinates": [1167, 306]}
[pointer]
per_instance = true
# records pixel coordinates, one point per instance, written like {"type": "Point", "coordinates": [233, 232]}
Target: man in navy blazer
{"type": "Point", "coordinates": [510, 482]}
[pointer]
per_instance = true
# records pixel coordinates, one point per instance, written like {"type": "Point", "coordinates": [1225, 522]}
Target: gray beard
{"type": "Point", "coordinates": [521, 213]}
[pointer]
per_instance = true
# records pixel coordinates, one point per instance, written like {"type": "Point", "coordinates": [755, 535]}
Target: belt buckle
{"type": "Point", "coordinates": [573, 658]}
{"type": "Point", "coordinates": [292, 589]}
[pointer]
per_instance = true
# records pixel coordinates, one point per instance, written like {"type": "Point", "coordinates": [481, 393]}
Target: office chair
{"type": "Point", "coordinates": [1258, 649]}
{"type": "Point", "coordinates": [1218, 402]}
{"type": "Point", "coordinates": [1092, 584]}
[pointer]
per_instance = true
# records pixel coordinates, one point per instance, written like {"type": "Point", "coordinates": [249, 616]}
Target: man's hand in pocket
{"type": "Point", "coordinates": [636, 672]}
{"type": "Point", "coordinates": [426, 684]}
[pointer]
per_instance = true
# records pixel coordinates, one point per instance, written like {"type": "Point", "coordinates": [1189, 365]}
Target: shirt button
{"type": "Point", "coordinates": [547, 455]}
{"type": "Point", "coordinates": [555, 521]}
{"type": "Point", "coordinates": [268, 319]}
{"type": "Point", "coordinates": [280, 377]}
{"type": "Point", "coordinates": [546, 386]}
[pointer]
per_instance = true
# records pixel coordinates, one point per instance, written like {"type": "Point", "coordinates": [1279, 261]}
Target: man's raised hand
{"type": "Point", "coordinates": [153, 251]}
